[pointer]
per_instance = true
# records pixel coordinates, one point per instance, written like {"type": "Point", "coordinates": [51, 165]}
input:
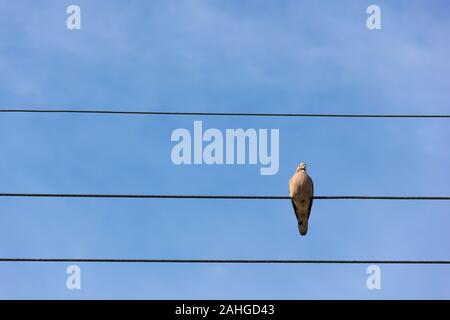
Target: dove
{"type": "Point", "coordinates": [301, 191]}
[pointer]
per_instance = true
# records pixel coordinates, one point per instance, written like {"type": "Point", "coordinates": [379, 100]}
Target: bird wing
{"type": "Point", "coordinates": [295, 208]}
{"type": "Point", "coordinates": [312, 195]}
{"type": "Point", "coordinates": [293, 184]}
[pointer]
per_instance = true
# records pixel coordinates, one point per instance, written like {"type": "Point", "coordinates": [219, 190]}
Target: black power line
{"type": "Point", "coordinates": [225, 261]}
{"type": "Point", "coordinates": [240, 114]}
{"type": "Point", "coordinates": [223, 197]}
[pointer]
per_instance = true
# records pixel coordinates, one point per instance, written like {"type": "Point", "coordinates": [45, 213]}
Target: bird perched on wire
{"type": "Point", "coordinates": [301, 191]}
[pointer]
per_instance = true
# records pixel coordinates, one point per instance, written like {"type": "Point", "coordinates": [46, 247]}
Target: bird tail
{"type": "Point", "coordinates": [303, 227]}
{"type": "Point", "coordinates": [302, 221]}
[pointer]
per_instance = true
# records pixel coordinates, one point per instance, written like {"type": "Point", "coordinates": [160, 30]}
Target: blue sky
{"type": "Point", "coordinates": [249, 56]}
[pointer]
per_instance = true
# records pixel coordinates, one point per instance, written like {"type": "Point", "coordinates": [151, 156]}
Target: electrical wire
{"type": "Point", "coordinates": [220, 197]}
{"type": "Point", "coordinates": [239, 114]}
{"type": "Point", "coordinates": [224, 261]}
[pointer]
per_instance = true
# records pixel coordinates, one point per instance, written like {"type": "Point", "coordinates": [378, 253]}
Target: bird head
{"type": "Point", "coordinates": [301, 166]}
